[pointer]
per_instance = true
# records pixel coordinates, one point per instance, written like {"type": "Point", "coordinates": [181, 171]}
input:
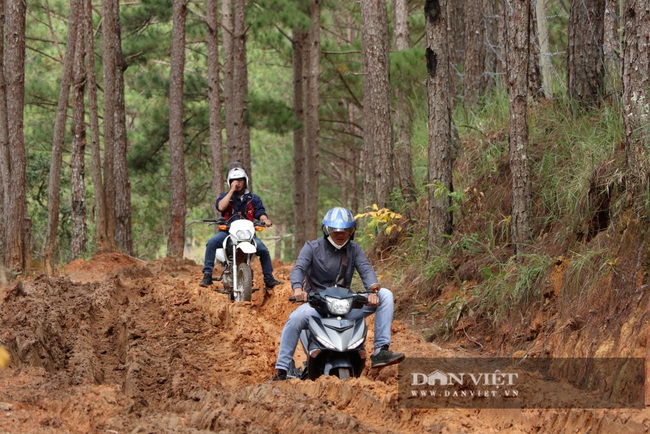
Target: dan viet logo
{"type": "Point", "coordinates": [496, 378]}
{"type": "Point", "coordinates": [504, 382]}
{"type": "Point", "coordinates": [464, 384]}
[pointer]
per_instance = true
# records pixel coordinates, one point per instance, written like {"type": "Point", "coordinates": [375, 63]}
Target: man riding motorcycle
{"type": "Point", "coordinates": [238, 200]}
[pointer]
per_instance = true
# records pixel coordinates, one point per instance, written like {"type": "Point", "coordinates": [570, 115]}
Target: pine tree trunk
{"type": "Point", "coordinates": [240, 147]}
{"type": "Point", "coordinates": [612, 45]}
{"type": "Point", "coordinates": [101, 237]}
{"type": "Point", "coordinates": [403, 114]}
{"type": "Point", "coordinates": [516, 17]}
{"type": "Point", "coordinates": [109, 42]}
{"type": "Point", "coordinates": [228, 27]}
{"type": "Point", "coordinates": [214, 102]}
{"type": "Point", "coordinates": [474, 61]}
{"type": "Point", "coordinates": [440, 142]}
{"type": "Point", "coordinates": [14, 67]}
{"type": "Point", "coordinates": [312, 125]}
{"type": "Point", "coordinates": [77, 184]}
{"type": "Point", "coordinates": [377, 133]}
{"type": "Point", "coordinates": [4, 151]}
{"type": "Point", "coordinates": [123, 230]}
{"type": "Point", "coordinates": [299, 173]}
{"type": "Point", "coordinates": [545, 67]}
{"type": "Point", "coordinates": [176, 243]}
{"type": "Point", "coordinates": [636, 92]}
{"type": "Point", "coordinates": [58, 138]}
{"type": "Point", "coordinates": [535, 90]}
{"type": "Point", "coordinates": [585, 68]}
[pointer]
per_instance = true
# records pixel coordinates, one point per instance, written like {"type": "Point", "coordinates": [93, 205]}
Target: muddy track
{"type": "Point", "coordinates": [119, 345]}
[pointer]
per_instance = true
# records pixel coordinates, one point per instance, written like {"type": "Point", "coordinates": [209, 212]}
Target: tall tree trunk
{"type": "Point", "coordinates": [354, 116]}
{"type": "Point", "coordinates": [228, 27]}
{"type": "Point", "coordinates": [176, 243]}
{"type": "Point", "coordinates": [458, 27]}
{"type": "Point", "coordinates": [59, 138]}
{"type": "Point", "coordinates": [312, 125]}
{"type": "Point", "coordinates": [299, 173]}
{"type": "Point", "coordinates": [403, 113]}
{"type": "Point", "coordinates": [545, 67]}
{"type": "Point", "coordinates": [78, 185]}
{"type": "Point", "coordinates": [377, 133]}
{"type": "Point", "coordinates": [239, 142]}
{"type": "Point", "coordinates": [636, 92]}
{"type": "Point", "coordinates": [109, 42]}
{"type": "Point", "coordinates": [214, 102]}
{"type": "Point", "coordinates": [14, 71]}
{"type": "Point", "coordinates": [535, 90]}
{"type": "Point", "coordinates": [123, 230]}
{"type": "Point", "coordinates": [585, 68]}
{"type": "Point", "coordinates": [241, 91]}
{"type": "Point", "coordinates": [492, 20]}
{"type": "Point", "coordinates": [475, 52]}
{"type": "Point", "coordinates": [612, 45]}
{"type": "Point", "coordinates": [516, 17]}
{"type": "Point", "coordinates": [4, 151]}
{"type": "Point", "coordinates": [93, 115]}
{"type": "Point", "coordinates": [440, 142]}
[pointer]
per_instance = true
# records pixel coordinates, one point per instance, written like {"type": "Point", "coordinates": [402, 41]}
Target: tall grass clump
{"type": "Point", "coordinates": [516, 283]}
{"type": "Point", "coordinates": [569, 145]}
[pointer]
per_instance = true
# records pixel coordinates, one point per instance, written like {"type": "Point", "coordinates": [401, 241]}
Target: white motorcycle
{"type": "Point", "coordinates": [236, 254]}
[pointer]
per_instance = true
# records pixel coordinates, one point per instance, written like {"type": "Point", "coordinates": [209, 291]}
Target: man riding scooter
{"type": "Point", "coordinates": [331, 261]}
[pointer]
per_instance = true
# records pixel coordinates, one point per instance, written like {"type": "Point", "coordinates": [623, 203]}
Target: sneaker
{"type": "Point", "coordinates": [280, 375]}
{"type": "Point", "coordinates": [271, 283]}
{"type": "Point", "coordinates": [206, 281]}
{"type": "Point", "coordinates": [386, 357]}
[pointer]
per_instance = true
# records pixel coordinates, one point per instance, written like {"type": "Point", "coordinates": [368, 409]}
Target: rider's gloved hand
{"type": "Point", "coordinates": [299, 294]}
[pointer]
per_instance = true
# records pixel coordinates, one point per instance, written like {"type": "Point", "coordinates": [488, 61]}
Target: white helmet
{"type": "Point", "coordinates": [237, 173]}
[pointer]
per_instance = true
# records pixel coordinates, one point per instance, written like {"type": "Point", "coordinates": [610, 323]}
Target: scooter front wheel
{"type": "Point", "coordinates": [344, 373]}
{"type": "Point", "coordinates": [244, 282]}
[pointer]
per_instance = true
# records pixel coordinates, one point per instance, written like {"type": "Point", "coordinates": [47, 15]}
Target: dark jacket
{"type": "Point", "coordinates": [320, 261]}
{"type": "Point", "coordinates": [248, 204]}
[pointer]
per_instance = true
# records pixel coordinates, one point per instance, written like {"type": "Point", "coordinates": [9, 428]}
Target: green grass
{"type": "Point", "coordinates": [568, 147]}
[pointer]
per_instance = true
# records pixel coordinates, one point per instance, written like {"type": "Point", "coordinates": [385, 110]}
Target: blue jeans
{"type": "Point", "coordinates": [299, 320]}
{"type": "Point", "coordinates": [216, 241]}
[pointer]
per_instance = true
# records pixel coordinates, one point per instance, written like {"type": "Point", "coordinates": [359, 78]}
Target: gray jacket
{"type": "Point", "coordinates": [319, 260]}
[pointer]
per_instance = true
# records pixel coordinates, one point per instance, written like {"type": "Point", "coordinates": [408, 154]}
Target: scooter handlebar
{"type": "Point", "coordinates": [359, 296]}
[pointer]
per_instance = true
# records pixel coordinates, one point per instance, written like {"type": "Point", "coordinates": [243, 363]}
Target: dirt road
{"type": "Point", "coordinates": [117, 345]}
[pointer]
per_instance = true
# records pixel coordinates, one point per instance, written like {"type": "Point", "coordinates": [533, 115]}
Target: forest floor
{"type": "Point", "coordinates": [117, 345]}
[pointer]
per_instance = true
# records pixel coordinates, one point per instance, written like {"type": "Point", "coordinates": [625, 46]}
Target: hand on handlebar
{"type": "Point", "coordinates": [373, 299]}
{"type": "Point", "coordinates": [299, 295]}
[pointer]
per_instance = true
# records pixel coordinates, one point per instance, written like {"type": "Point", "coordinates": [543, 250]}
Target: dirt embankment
{"type": "Point", "coordinates": [118, 345]}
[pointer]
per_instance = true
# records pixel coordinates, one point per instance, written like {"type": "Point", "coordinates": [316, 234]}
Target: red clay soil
{"type": "Point", "coordinates": [117, 345]}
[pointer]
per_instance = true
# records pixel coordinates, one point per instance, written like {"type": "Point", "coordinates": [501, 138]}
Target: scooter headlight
{"type": "Point", "coordinates": [339, 306]}
{"type": "Point", "coordinates": [244, 235]}
{"type": "Point", "coordinates": [324, 342]}
{"type": "Point", "coordinates": [356, 344]}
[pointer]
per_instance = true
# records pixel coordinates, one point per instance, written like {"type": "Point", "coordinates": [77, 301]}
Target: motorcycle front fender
{"type": "Point", "coordinates": [247, 247]}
